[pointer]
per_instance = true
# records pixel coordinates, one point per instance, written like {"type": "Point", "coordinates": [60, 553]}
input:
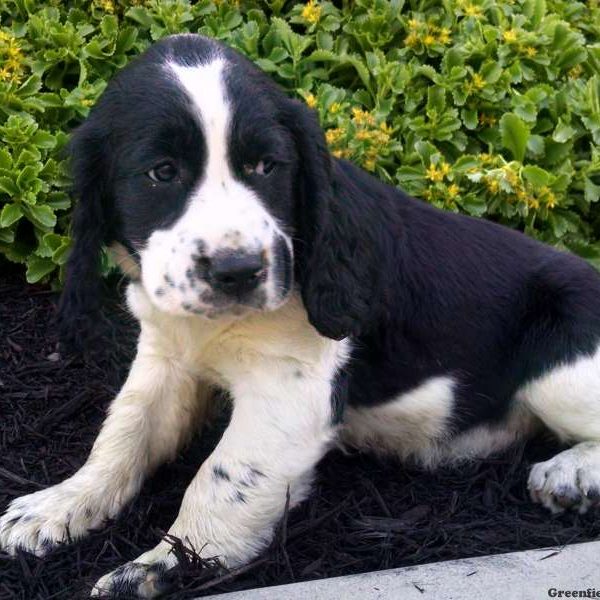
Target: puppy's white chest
{"type": "Point", "coordinates": [222, 350]}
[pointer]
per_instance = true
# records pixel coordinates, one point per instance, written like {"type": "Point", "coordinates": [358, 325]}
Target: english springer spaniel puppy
{"type": "Point", "coordinates": [332, 307]}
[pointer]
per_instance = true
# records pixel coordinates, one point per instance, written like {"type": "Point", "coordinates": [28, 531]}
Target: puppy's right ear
{"type": "Point", "coordinates": [81, 301]}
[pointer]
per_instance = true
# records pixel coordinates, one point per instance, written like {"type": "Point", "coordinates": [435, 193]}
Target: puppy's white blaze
{"type": "Point", "coordinates": [567, 399]}
{"type": "Point", "coordinates": [234, 211]}
{"type": "Point", "coordinates": [205, 88]}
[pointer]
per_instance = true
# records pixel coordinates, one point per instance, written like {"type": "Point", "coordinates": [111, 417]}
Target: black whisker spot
{"type": "Point", "coordinates": [220, 473]}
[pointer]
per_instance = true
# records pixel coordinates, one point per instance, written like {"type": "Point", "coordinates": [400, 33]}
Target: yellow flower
{"type": "Point", "coordinates": [311, 11]}
{"type": "Point", "coordinates": [530, 51]}
{"type": "Point", "coordinates": [6, 37]}
{"type": "Point", "coordinates": [485, 157]}
{"type": "Point", "coordinates": [429, 39]}
{"type": "Point", "coordinates": [106, 5]}
{"type": "Point", "coordinates": [548, 197]}
{"type": "Point", "coordinates": [87, 102]}
{"type": "Point", "coordinates": [575, 72]}
{"type": "Point", "coordinates": [385, 128]}
{"type": "Point", "coordinates": [492, 185]}
{"type": "Point", "coordinates": [13, 64]}
{"type": "Point", "coordinates": [510, 36]}
{"type": "Point", "coordinates": [471, 10]}
{"type": "Point", "coordinates": [334, 135]}
{"type": "Point", "coordinates": [363, 135]}
{"type": "Point", "coordinates": [453, 190]}
{"type": "Point", "coordinates": [487, 120]}
{"type": "Point", "coordinates": [369, 164]}
{"type": "Point", "coordinates": [335, 107]}
{"type": "Point", "coordinates": [362, 117]}
{"type": "Point", "coordinates": [310, 100]}
{"type": "Point", "coordinates": [478, 81]}
{"type": "Point", "coordinates": [532, 202]}
{"type": "Point", "coordinates": [433, 174]}
{"type": "Point", "coordinates": [13, 51]}
{"type": "Point", "coordinates": [445, 168]}
{"type": "Point", "coordinates": [412, 39]}
{"type": "Point", "coordinates": [444, 36]}
{"type": "Point", "coordinates": [5, 74]}
{"type": "Point", "coordinates": [511, 177]}
{"type": "Point", "coordinates": [380, 137]}
{"type": "Point", "coordinates": [414, 23]}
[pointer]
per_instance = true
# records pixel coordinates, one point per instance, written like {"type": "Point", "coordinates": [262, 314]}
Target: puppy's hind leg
{"type": "Point", "coordinates": [567, 400]}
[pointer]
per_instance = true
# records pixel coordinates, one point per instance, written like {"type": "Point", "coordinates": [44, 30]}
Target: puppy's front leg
{"type": "Point", "coordinates": [146, 424]}
{"type": "Point", "coordinates": [281, 425]}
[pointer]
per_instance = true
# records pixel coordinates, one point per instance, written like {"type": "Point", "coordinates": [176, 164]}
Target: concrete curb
{"type": "Point", "coordinates": [530, 575]}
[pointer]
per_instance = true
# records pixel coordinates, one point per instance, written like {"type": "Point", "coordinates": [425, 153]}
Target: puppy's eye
{"type": "Point", "coordinates": [163, 173]}
{"type": "Point", "coordinates": [262, 167]}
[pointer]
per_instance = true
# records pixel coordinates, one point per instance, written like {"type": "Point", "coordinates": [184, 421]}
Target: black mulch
{"type": "Point", "coordinates": [364, 514]}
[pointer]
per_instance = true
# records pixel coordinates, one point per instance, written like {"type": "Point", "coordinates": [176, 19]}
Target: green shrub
{"type": "Point", "coordinates": [487, 107]}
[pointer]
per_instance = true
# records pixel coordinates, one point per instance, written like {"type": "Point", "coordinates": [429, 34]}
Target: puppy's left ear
{"type": "Point", "coordinates": [80, 304]}
{"type": "Point", "coordinates": [331, 261]}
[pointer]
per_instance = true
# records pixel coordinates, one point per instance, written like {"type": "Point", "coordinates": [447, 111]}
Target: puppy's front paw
{"type": "Point", "coordinates": [40, 521]}
{"type": "Point", "coordinates": [137, 580]}
{"type": "Point", "coordinates": [570, 480]}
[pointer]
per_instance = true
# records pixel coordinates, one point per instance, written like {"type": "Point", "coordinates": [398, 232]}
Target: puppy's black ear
{"type": "Point", "coordinates": [81, 300]}
{"type": "Point", "coordinates": [331, 267]}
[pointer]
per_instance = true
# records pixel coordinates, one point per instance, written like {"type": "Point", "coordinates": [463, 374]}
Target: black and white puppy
{"type": "Point", "coordinates": [332, 307]}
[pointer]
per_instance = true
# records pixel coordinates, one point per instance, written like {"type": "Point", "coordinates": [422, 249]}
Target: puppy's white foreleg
{"type": "Point", "coordinates": [146, 424]}
{"type": "Point", "coordinates": [280, 427]}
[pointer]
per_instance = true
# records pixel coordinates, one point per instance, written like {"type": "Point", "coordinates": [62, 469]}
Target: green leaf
{"type": "Point", "coordinates": [563, 132]}
{"type": "Point", "coordinates": [10, 214]}
{"type": "Point", "coordinates": [536, 145]}
{"type": "Point", "coordinates": [515, 135]}
{"type": "Point", "coordinates": [41, 215]}
{"type": "Point", "coordinates": [37, 268]}
{"type": "Point", "coordinates": [43, 139]}
{"type": "Point", "coordinates": [109, 26]}
{"type": "Point", "coordinates": [537, 176]}
{"type": "Point", "coordinates": [61, 254]}
{"type": "Point", "coordinates": [30, 86]}
{"type": "Point", "coordinates": [559, 224]}
{"type": "Point", "coordinates": [470, 118]}
{"type": "Point", "coordinates": [140, 15]}
{"type": "Point", "coordinates": [7, 236]}
{"type": "Point", "coordinates": [473, 204]}
{"type": "Point", "coordinates": [5, 159]}
{"type": "Point", "coordinates": [535, 10]}
{"type": "Point", "coordinates": [591, 190]}
{"type": "Point", "coordinates": [436, 100]}
{"type": "Point", "coordinates": [8, 186]}
{"type": "Point", "coordinates": [465, 163]}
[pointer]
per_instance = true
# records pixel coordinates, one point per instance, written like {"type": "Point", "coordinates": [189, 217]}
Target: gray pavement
{"type": "Point", "coordinates": [531, 575]}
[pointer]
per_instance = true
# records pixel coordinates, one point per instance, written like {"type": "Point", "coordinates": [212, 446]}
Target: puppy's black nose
{"type": "Point", "coordinates": [235, 274]}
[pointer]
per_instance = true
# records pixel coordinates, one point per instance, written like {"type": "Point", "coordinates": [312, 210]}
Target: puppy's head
{"type": "Point", "coordinates": [213, 189]}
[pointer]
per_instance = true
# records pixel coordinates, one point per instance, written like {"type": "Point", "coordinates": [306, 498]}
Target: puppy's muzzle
{"type": "Point", "coordinates": [233, 273]}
